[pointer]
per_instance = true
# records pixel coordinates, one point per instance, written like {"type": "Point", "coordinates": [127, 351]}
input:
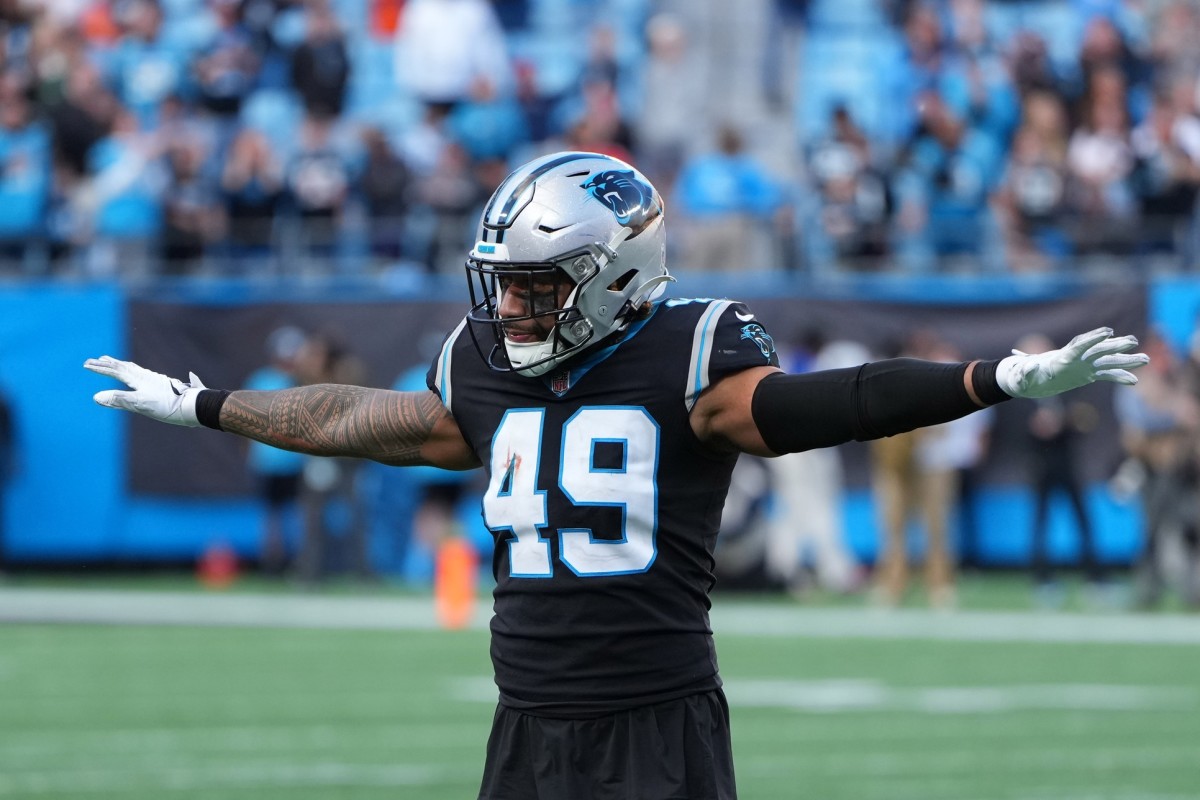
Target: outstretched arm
{"type": "Point", "coordinates": [766, 412]}
{"type": "Point", "coordinates": [400, 428]}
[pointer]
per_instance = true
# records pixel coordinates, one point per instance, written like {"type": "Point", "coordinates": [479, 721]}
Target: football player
{"type": "Point", "coordinates": [608, 420]}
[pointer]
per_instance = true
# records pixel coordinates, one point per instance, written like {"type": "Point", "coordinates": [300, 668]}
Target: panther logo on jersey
{"type": "Point", "coordinates": [757, 334]}
{"type": "Point", "coordinates": [629, 197]}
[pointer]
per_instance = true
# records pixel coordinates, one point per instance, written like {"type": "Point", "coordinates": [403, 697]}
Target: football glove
{"type": "Point", "coordinates": [1093, 356]}
{"type": "Point", "coordinates": [153, 395]}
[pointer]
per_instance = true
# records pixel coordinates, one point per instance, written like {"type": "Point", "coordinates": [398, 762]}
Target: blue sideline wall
{"type": "Point", "coordinates": [68, 501]}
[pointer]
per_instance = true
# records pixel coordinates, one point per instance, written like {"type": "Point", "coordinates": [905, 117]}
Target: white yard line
{"type": "Point", "coordinates": [730, 618]}
{"type": "Point", "coordinates": [165, 779]}
{"type": "Point", "coordinates": [839, 696]}
{"type": "Point", "coordinates": [225, 610]}
{"type": "Point", "coordinates": [974, 626]}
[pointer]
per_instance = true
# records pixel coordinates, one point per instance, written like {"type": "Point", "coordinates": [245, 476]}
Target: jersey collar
{"type": "Point", "coordinates": [559, 381]}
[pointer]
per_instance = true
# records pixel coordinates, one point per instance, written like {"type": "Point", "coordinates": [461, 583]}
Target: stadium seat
{"type": "Point", "coordinates": [276, 113]}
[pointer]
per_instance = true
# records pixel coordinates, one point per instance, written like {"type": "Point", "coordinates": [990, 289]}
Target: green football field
{"type": "Point", "coordinates": [827, 703]}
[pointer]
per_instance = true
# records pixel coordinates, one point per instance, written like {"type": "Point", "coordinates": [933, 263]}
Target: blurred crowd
{"type": "Point", "coordinates": [141, 138]}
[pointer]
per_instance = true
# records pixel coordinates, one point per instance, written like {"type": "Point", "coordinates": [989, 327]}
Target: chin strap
{"type": "Point", "coordinates": [651, 290]}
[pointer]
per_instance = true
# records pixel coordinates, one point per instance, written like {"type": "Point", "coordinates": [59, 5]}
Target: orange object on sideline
{"type": "Point", "coordinates": [217, 567]}
{"type": "Point", "coordinates": [456, 573]}
{"type": "Point", "coordinates": [385, 17]}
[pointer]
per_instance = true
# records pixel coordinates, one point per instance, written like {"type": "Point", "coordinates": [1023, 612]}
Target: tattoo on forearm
{"type": "Point", "coordinates": [334, 420]}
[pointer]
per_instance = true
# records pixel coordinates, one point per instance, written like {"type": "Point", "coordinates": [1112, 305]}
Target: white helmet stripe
{"type": "Point", "coordinates": [497, 214]}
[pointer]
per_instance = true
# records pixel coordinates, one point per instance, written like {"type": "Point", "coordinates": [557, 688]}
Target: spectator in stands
{"type": "Point", "coordinates": [442, 46]}
{"type": "Point", "coordinates": [252, 187]}
{"type": "Point", "coordinates": [1030, 66]}
{"type": "Point", "coordinates": [1166, 147]}
{"type": "Point", "coordinates": [787, 23]}
{"type": "Point", "coordinates": [119, 209]}
{"type": "Point", "coordinates": [80, 119]}
{"type": "Point", "coordinates": [1031, 200]}
{"type": "Point", "coordinates": [435, 175]}
{"type": "Point", "coordinates": [968, 32]}
{"type": "Point", "coordinates": [15, 46]}
{"type": "Point", "coordinates": [488, 125]}
{"type": "Point", "coordinates": [271, 37]}
{"type": "Point", "coordinates": [916, 70]}
{"type": "Point", "coordinates": [672, 92]}
{"type": "Point", "coordinates": [97, 22]}
{"type": "Point", "coordinates": [317, 181]}
{"type": "Point", "coordinates": [276, 473]}
{"type": "Point", "coordinates": [727, 204]}
{"type": "Point", "coordinates": [1159, 420]}
{"type": "Point", "coordinates": [453, 197]}
{"type": "Point", "coordinates": [159, 54]}
{"type": "Point", "coordinates": [179, 118]}
{"type": "Point", "coordinates": [193, 216]}
{"type": "Point", "coordinates": [1104, 48]}
{"type": "Point", "coordinates": [143, 68]}
{"type": "Point", "coordinates": [226, 70]}
{"type": "Point", "coordinates": [945, 177]}
{"type": "Point", "coordinates": [601, 64]}
{"type": "Point", "coordinates": [386, 185]}
{"type": "Point", "coordinates": [513, 15]}
{"type": "Point", "coordinates": [594, 121]}
{"type": "Point", "coordinates": [537, 106]}
{"type": "Point", "coordinates": [320, 64]}
{"type": "Point", "coordinates": [24, 171]}
{"type": "Point", "coordinates": [978, 89]}
{"type": "Point", "coordinates": [1172, 50]}
{"type": "Point", "coordinates": [850, 223]}
{"type": "Point", "coordinates": [1053, 429]}
{"type": "Point", "coordinates": [1100, 167]}
{"type": "Point", "coordinates": [55, 49]}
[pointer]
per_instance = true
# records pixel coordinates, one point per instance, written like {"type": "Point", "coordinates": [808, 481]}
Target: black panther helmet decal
{"type": "Point", "coordinates": [627, 195]}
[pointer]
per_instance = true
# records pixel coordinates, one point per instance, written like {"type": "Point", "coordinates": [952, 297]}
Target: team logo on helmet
{"type": "Point", "coordinates": [629, 197]}
{"type": "Point", "coordinates": [755, 333]}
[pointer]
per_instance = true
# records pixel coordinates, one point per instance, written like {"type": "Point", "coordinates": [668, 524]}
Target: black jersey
{"type": "Point", "coordinates": [604, 507]}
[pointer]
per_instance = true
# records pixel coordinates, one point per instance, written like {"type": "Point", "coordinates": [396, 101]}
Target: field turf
{"type": "Point", "coordinates": [902, 706]}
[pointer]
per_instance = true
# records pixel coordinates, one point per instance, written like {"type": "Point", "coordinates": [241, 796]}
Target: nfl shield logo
{"type": "Point", "coordinates": [560, 382]}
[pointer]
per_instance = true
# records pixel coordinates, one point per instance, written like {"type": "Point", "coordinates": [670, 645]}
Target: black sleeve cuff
{"type": "Point", "coordinates": [983, 381]}
{"type": "Point", "coordinates": [208, 407]}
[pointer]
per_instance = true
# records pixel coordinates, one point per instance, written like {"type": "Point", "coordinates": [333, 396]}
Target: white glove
{"type": "Point", "coordinates": [154, 395]}
{"type": "Point", "coordinates": [1093, 356]}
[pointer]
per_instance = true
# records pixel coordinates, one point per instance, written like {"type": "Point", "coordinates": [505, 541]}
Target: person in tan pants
{"type": "Point", "coordinates": [905, 488]}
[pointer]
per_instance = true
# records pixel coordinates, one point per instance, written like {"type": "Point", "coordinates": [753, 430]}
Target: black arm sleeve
{"type": "Point", "coordinates": [883, 398]}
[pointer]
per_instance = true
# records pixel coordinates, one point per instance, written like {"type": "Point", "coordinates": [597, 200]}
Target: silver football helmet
{"type": "Point", "coordinates": [578, 239]}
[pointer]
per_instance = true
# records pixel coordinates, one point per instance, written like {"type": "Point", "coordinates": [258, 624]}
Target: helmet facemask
{"type": "Point", "coordinates": [552, 327]}
{"type": "Point", "coordinates": [570, 247]}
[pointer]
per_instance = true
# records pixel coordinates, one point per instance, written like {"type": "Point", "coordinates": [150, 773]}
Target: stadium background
{"type": "Point", "coordinates": [849, 166]}
{"type": "Point", "coordinates": [97, 487]}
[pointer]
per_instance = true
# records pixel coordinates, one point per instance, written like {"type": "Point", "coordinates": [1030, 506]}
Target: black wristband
{"type": "Point", "coordinates": [983, 381]}
{"type": "Point", "coordinates": [208, 407]}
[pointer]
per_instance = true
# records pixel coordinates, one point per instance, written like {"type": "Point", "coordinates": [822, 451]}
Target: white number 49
{"type": "Point", "coordinates": [513, 501]}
